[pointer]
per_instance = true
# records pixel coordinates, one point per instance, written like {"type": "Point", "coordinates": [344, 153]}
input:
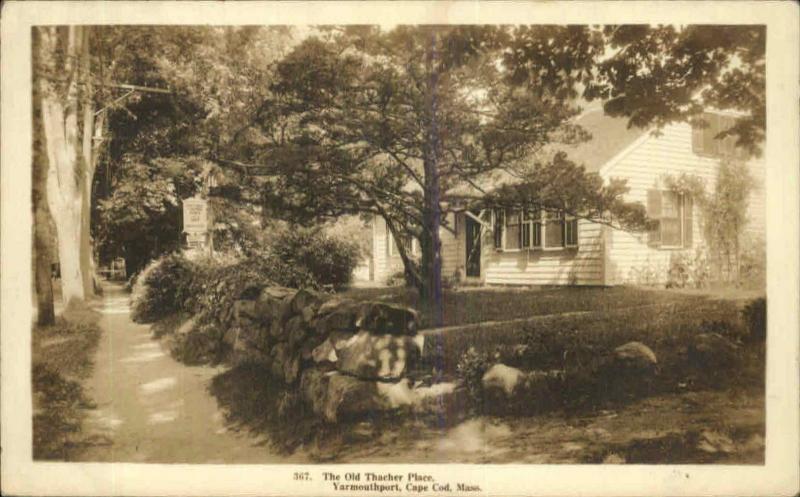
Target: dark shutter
{"type": "Point", "coordinates": [697, 139]}
{"type": "Point", "coordinates": [499, 225]}
{"type": "Point", "coordinates": [710, 144]}
{"type": "Point", "coordinates": [654, 213]}
{"type": "Point", "coordinates": [687, 221]}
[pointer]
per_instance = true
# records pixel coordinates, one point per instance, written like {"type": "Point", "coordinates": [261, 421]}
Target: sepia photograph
{"type": "Point", "coordinates": [398, 243]}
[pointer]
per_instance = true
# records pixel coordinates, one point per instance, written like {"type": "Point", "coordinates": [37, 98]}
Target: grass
{"type": "Point", "coordinates": [469, 306]}
{"type": "Point", "coordinates": [61, 359]}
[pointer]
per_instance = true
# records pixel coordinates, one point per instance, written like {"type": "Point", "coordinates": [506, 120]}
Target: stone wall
{"type": "Point", "coordinates": [347, 358]}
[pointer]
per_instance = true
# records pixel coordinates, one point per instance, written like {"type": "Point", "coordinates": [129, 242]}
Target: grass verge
{"type": "Point", "coordinates": [61, 359]}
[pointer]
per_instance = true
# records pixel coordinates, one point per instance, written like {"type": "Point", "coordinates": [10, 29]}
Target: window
{"type": "Point", "coordinates": [571, 232]}
{"type": "Point", "coordinates": [513, 230]}
{"type": "Point", "coordinates": [409, 244]}
{"type": "Point", "coordinates": [672, 215]}
{"type": "Point", "coordinates": [554, 230]}
{"type": "Point", "coordinates": [534, 230]}
{"type": "Point", "coordinates": [704, 141]}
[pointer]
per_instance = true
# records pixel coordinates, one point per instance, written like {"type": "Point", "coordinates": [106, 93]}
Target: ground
{"type": "Point", "coordinates": [147, 407]}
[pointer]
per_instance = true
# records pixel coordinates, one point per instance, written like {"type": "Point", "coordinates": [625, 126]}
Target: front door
{"type": "Point", "coordinates": [472, 229]}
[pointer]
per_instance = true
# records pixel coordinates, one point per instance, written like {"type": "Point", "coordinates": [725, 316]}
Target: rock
{"type": "Point", "coordinates": [187, 326]}
{"type": "Point", "coordinates": [341, 339]}
{"type": "Point", "coordinates": [342, 318]}
{"type": "Point", "coordinates": [635, 355]}
{"type": "Point", "coordinates": [291, 368]}
{"type": "Point", "coordinates": [305, 299]}
{"type": "Point", "coordinates": [314, 389]}
{"type": "Point", "coordinates": [349, 397]}
{"type": "Point", "coordinates": [244, 311]}
{"type": "Point", "coordinates": [713, 442]}
{"type": "Point", "coordinates": [279, 355]}
{"type": "Point", "coordinates": [325, 352]}
{"type": "Point", "coordinates": [274, 303]}
{"type": "Point", "coordinates": [502, 377]}
{"type": "Point", "coordinates": [276, 329]}
{"type": "Point", "coordinates": [396, 394]}
{"type": "Point", "coordinates": [294, 330]}
{"type": "Point", "coordinates": [378, 356]}
{"type": "Point", "coordinates": [382, 318]}
{"type": "Point", "coordinates": [613, 458]}
{"type": "Point", "coordinates": [333, 304]}
{"type": "Point", "coordinates": [712, 351]}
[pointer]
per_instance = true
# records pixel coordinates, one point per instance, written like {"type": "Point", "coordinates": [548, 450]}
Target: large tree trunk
{"type": "Point", "coordinates": [431, 244]}
{"type": "Point", "coordinates": [65, 51]}
{"type": "Point", "coordinates": [42, 236]}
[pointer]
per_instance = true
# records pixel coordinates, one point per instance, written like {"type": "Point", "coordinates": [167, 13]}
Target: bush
{"type": "Point", "coordinates": [162, 288]}
{"type": "Point", "coordinates": [470, 370]}
{"type": "Point", "coordinates": [328, 259]}
{"type": "Point", "coordinates": [755, 316]}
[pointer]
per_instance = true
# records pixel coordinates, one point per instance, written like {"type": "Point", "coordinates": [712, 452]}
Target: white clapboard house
{"type": "Point", "coordinates": [511, 248]}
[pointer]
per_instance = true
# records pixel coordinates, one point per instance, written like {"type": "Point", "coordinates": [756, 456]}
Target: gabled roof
{"type": "Point", "coordinates": [609, 137]}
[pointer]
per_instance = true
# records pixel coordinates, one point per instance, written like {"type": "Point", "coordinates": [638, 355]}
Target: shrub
{"type": "Point", "coordinates": [470, 369]}
{"type": "Point", "coordinates": [162, 288]}
{"type": "Point", "coordinates": [328, 259]}
{"type": "Point", "coordinates": [755, 316]}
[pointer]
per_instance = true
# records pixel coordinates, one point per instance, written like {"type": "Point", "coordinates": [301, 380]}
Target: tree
{"type": "Point", "coordinates": [66, 96]}
{"type": "Point", "coordinates": [392, 123]}
{"type": "Point", "coordinates": [656, 75]}
{"type": "Point", "coordinates": [217, 77]}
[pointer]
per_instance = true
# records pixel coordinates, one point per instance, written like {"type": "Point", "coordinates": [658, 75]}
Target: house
{"type": "Point", "coordinates": [512, 248]}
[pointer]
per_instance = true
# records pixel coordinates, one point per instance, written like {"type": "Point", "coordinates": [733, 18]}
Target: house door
{"type": "Point", "coordinates": [473, 234]}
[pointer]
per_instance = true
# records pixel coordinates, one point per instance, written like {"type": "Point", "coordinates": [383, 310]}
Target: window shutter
{"type": "Point", "coordinates": [687, 221]}
{"type": "Point", "coordinates": [499, 225]}
{"type": "Point", "coordinates": [654, 212]}
{"type": "Point", "coordinates": [710, 144]}
{"type": "Point", "coordinates": [697, 139]}
{"type": "Point", "coordinates": [654, 204]}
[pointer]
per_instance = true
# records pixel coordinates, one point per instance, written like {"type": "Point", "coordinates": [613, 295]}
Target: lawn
{"type": "Point", "coordinates": [472, 305]}
{"type": "Point", "coordinates": [61, 359]}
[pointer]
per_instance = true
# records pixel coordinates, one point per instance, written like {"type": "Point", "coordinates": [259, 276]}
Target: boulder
{"type": "Point", "coordinates": [502, 377]}
{"type": "Point", "coordinates": [381, 318]}
{"type": "Point", "coordinates": [342, 318]}
{"type": "Point", "coordinates": [291, 369]}
{"type": "Point", "coordinates": [324, 352]}
{"type": "Point", "coordinates": [314, 388]}
{"type": "Point", "coordinates": [274, 303]}
{"type": "Point", "coordinates": [379, 357]}
{"type": "Point", "coordinates": [508, 389]}
{"type": "Point", "coordinates": [635, 355]}
{"type": "Point", "coordinates": [333, 304]}
{"type": "Point", "coordinates": [348, 397]}
{"type": "Point", "coordinates": [244, 311]}
{"type": "Point", "coordinates": [279, 356]}
{"type": "Point", "coordinates": [712, 351]}
{"type": "Point", "coordinates": [305, 299]}
{"type": "Point", "coordinates": [294, 331]}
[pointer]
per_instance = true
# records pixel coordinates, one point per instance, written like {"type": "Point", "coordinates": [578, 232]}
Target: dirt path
{"type": "Point", "coordinates": [150, 408]}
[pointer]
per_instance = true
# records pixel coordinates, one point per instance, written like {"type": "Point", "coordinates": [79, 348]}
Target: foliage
{"type": "Point", "coordinates": [429, 111]}
{"type": "Point", "coordinates": [688, 270]}
{"type": "Point", "coordinates": [215, 287]}
{"type": "Point", "coordinates": [658, 74]}
{"type": "Point", "coordinates": [162, 288]}
{"type": "Point", "coordinates": [755, 315]}
{"type": "Point", "coordinates": [724, 213]}
{"type": "Point", "coordinates": [331, 259]}
{"type": "Point", "coordinates": [471, 367]}
{"type": "Point", "coordinates": [61, 358]}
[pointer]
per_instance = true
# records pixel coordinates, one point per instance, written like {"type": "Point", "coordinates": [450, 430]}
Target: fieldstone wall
{"type": "Point", "coordinates": [346, 358]}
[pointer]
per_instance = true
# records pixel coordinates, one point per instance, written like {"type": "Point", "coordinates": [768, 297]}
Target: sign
{"type": "Point", "coordinates": [195, 240]}
{"type": "Point", "coordinates": [195, 215]}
